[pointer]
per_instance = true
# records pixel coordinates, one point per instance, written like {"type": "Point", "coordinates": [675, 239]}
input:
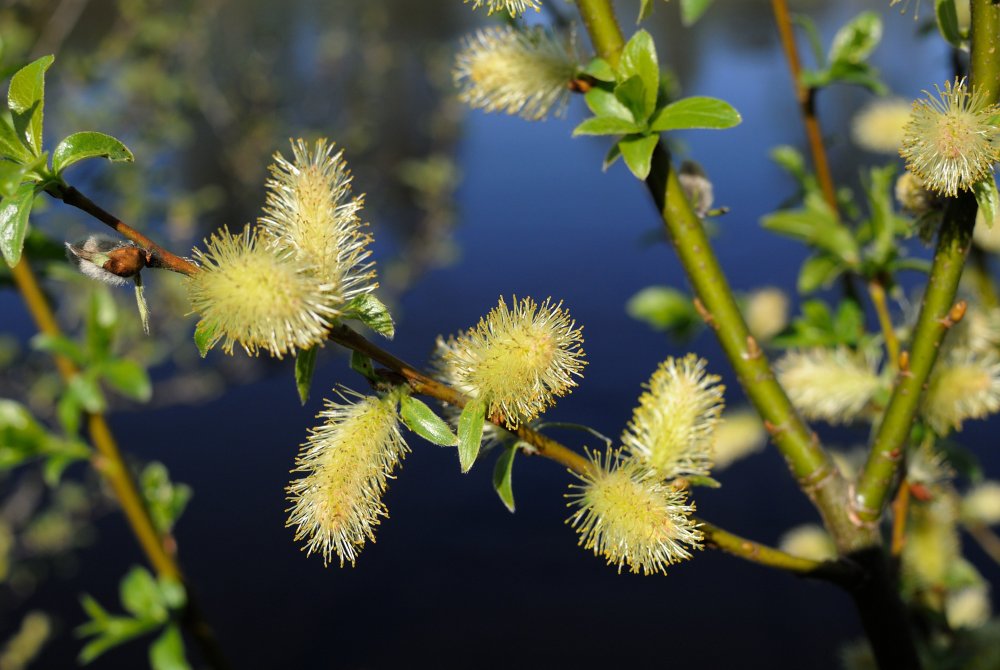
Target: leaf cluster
{"type": "Point", "coordinates": [628, 101]}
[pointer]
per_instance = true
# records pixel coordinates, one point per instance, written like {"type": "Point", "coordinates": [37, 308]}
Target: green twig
{"type": "Point", "coordinates": [939, 310]}
{"type": "Point", "coordinates": [810, 464]}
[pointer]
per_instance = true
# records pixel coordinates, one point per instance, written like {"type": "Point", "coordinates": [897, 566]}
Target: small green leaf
{"type": "Point", "coordinates": [172, 592]}
{"type": "Point", "coordinates": [614, 153]}
{"type": "Point", "coordinates": [703, 480]}
{"type": "Point", "coordinates": [645, 9]}
{"type": "Point", "coordinates": [605, 125]}
{"type": "Point", "coordinates": [603, 103]}
{"type": "Point", "coordinates": [205, 337]}
{"type": "Point", "coordinates": [362, 365]}
{"type": "Point", "coordinates": [855, 41]}
{"type": "Point", "coordinates": [818, 271]}
{"type": "Point", "coordinates": [947, 22]}
{"type": "Point", "coordinates": [632, 94]}
{"type": "Point", "coordinates": [470, 433]}
{"type": "Point", "coordinates": [11, 176]}
{"type": "Point", "coordinates": [422, 420]}
{"type": "Point", "coordinates": [167, 652]}
{"type": "Point", "coordinates": [305, 366]}
{"type": "Point", "coordinates": [691, 10]}
{"type": "Point", "coordinates": [165, 499]}
{"type": "Point", "coordinates": [10, 145]}
{"type": "Point", "coordinates": [696, 112]}
{"type": "Point", "coordinates": [101, 322]}
{"type": "Point", "coordinates": [84, 388]}
{"type": "Point", "coordinates": [26, 99]}
{"type": "Point", "coordinates": [849, 322]}
{"type": "Point", "coordinates": [140, 596]}
{"type": "Point", "coordinates": [637, 150]}
{"type": "Point", "coordinates": [59, 345]}
{"type": "Point", "coordinates": [89, 144]}
{"type": "Point", "coordinates": [68, 412]}
{"type": "Point", "coordinates": [987, 199]}
{"type": "Point", "coordinates": [599, 69]}
{"type": "Point", "coordinates": [638, 59]}
{"type": "Point", "coordinates": [502, 476]}
{"type": "Point", "coordinates": [14, 211]}
{"type": "Point", "coordinates": [370, 311]}
{"type": "Point", "coordinates": [128, 378]}
{"type": "Point", "coordinates": [664, 308]}
{"type": "Point", "coordinates": [118, 631]}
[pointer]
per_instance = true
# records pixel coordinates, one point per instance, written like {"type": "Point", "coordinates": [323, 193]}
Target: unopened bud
{"type": "Point", "coordinates": [697, 187]}
{"type": "Point", "coordinates": [106, 259]}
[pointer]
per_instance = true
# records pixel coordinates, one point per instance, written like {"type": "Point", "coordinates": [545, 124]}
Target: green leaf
{"type": "Point", "coordinates": [987, 199]}
{"type": "Point", "coordinates": [696, 112]}
{"type": "Point", "coordinates": [84, 389]}
{"type": "Point", "coordinates": [305, 366]}
{"type": "Point", "coordinates": [645, 9]}
{"type": "Point", "coordinates": [703, 480]}
{"type": "Point", "coordinates": [117, 631]}
{"type": "Point", "coordinates": [632, 94]}
{"type": "Point", "coordinates": [140, 596]}
{"type": "Point", "coordinates": [59, 345]}
{"type": "Point", "coordinates": [664, 308]}
{"type": "Point", "coordinates": [614, 153]}
{"type": "Point", "coordinates": [172, 592]}
{"type": "Point", "coordinates": [89, 144]}
{"type": "Point", "coordinates": [883, 218]}
{"type": "Point", "coordinates": [205, 337]}
{"type": "Point", "coordinates": [605, 125]}
{"type": "Point", "coordinates": [637, 150]}
{"type": "Point", "coordinates": [101, 321]}
{"type": "Point", "coordinates": [818, 271]}
{"type": "Point", "coordinates": [361, 364]}
{"type": "Point", "coordinates": [422, 420]}
{"type": "Point", "coordinates": [470, 433]}
{"type": "Point", "coordinates": [68, 412]}
{"type": "Point", "coordinates": [791, 160]}
{"type": "Point", "coordinates": [638, 59]}
{"type": "Point", "coordinates": [129, 378]}
{"type": "Point", "coordinates": [11, 176]}
{"type": "Point", "coordinates": [947, 22]}
{"type": "Point", "coordinates": [812, 36]}
{"type": "Point", "coordinates": [10, 145]}
{"type": "Point", "coordinates": [600, 69]}
{"type": "Point", "coordinates": [855, 41]}
{"type": "Point", "coordinates": [502, 476]}
{"type": "Point", "coordinates": [26, 99]}
{"type": "Point", "coordinates": [370, 311]}
{"type": "Point", "coordinates": [817, 225]}
{"type": "Point", "coordinates": [603, 103]}
{"type": "Point", "coordinates": [14, 211]}
{"type": "Point", "coordinates": [849, 322]}
{"type": "Point", "coordinates": [691, 10]}
{"type": "Point", "coordinates": [165, 499]}
{"type": "Point", "coordinates": [167, 652]}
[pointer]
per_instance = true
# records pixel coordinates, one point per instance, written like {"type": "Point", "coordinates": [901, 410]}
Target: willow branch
{"type": "Point", "coordinates": [156, 256]}
{"type": "Point", "coordinates": [109, 463]}
{"type": "Point", "coordinates": [808, 461]}
{"type": "Point", "coordinates": [939, 310]}
{"type": "Point", "coordinates": [837, 571]}
{"type": "Point", "coordinates": [806, 97]}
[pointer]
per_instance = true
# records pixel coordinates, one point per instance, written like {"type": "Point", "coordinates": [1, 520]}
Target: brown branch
{"type": "Point", "coordinates": [806, 97]}
{"type": "Point", "coordinates": [108, 461]}
{"type": "Point", "coordinates": [156, 256]}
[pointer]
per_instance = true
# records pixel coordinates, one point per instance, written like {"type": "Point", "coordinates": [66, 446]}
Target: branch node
{"type": "Point", "coordinates": [705, 315]}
